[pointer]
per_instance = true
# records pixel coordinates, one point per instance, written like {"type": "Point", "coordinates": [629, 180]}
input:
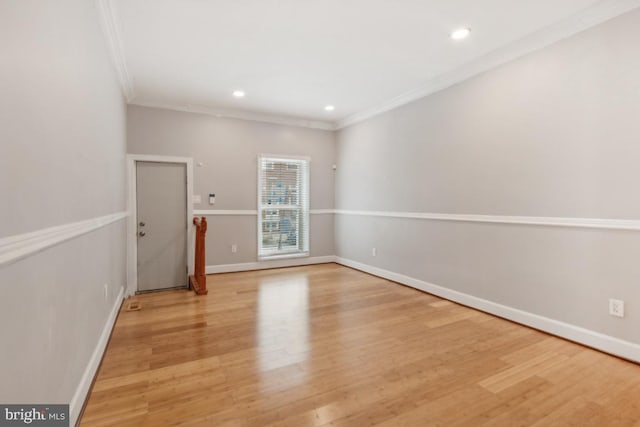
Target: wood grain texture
{"type": "Point", "coordinates": [326, 345]}
{"type": "Point", "coordinates": [198, 281]}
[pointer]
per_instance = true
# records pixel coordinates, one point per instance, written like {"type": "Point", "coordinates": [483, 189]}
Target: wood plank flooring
{"type": "Point", "coordinates": [327, 345]}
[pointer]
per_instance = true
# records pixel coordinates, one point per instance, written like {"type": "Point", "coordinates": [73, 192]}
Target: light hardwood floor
{"type": "Point", "coordinates": [327, 345]}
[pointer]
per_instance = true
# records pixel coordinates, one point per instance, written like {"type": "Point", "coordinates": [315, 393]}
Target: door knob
{"type": "Point", "coordinates": [142, 224]}
{"type": "Point", "coordinates": [142, 234]}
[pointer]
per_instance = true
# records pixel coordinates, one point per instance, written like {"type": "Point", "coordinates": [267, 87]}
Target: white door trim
{"type": "Point", "coordinates": [132, 229]}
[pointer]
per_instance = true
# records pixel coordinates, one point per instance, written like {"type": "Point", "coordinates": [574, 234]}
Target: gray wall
{"type": "Point", "coordinates": [553, 134]}
{"type": "Point", "coordinates": [228, 149]}
{"type": "Point", "coordinates": [62, 157]}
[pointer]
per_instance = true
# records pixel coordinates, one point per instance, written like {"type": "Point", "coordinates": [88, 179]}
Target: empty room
{"type": "Point", "coordinates": [319, 213]}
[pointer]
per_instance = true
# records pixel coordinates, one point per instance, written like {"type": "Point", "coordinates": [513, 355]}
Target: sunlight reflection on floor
{"type": "Point", "coordinates": [283, 322]}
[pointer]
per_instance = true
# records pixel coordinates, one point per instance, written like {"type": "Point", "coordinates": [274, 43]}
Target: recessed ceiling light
{"type": "Point", "coordinates": [329, 108]}
{"type": "Point", "coordinates": [461, 33]}
{"type": "Point", "coordinates": [238, 93]}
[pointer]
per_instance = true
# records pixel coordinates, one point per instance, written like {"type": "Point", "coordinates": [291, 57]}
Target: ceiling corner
{"type": "Point", "coordinates": [111, 31]}
{"type": "Point", "coordinates": [600, 12]}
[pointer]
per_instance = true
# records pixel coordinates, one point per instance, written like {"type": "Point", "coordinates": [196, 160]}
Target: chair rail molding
{"type": "Point", "coordinates": [598, 223]}
{"type": "Point", "coordinates": [225, 212]}
{"type": "Point", "coordinates": [240, 212]}
{"type": "Point", "coordinates": [605, 224]}
{"type": "Point", "coordinates": [16, 247]}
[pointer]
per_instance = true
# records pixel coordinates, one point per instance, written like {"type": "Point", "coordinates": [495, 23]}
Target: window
{"type": "Point", "coordinates": [283, 206]}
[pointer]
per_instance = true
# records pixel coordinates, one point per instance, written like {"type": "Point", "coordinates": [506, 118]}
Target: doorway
{"type": "Point", "coordinates": [161, 225]}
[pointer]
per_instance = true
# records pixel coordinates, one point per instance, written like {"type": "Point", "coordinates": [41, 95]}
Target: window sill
{"type": "Point", "coordinates": [283, 256]}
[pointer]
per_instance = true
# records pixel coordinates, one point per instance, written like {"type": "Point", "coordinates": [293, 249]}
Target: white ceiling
{"type": "Point", "coordinates": [293, 57]}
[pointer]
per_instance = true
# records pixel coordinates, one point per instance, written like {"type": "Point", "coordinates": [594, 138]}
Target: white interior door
{"type": "Point", "coordinates": [161, 198]}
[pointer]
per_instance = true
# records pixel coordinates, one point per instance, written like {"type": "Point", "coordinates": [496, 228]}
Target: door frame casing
{"type": "Point", "coordinates": [132, 228]}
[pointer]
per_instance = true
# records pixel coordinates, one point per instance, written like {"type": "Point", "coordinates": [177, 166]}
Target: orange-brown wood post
{"type": "Point", "coordinates": [199, 279]}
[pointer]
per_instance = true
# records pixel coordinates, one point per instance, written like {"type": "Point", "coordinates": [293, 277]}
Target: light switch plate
{"type": "Point", "coordinates": [197, 198]}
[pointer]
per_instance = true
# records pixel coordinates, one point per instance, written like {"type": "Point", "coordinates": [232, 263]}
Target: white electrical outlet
{"type": "Point", "coordinates": [374, 252]}
{"type": "Point", "coordinates": [234, 248]}
{"type": "Point", "coordinates": [616, 307]}
{"type": "Point", "coordinates": [106, 291]}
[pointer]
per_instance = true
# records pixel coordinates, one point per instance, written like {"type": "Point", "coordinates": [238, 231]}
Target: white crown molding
{"type": "Point", "coordinates": [626, 349]}
{"type": "Point", "coordinates": [605, 224]}
{"type": "Point", "coordinates": [20, 246]}
{"type": "Point", "coordinates": [111, 30]}
{"type": "Point", "coordinates": [587, 18]}
{"type": "Point", "coordinates": [238, 114]}
{"type": "Point", "coordinates": [263, 265]}
{"type": "Point", "coordinates": [594, 15]}
{"type": "Point", "coordinates": [80, 395]}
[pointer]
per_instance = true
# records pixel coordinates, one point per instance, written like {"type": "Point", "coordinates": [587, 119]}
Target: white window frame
{"type": "Point", "coordinates": [304, 209]}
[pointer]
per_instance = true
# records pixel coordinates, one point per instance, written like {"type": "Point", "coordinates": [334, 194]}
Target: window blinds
{"type": "Point", "coordinates": [283, 206]}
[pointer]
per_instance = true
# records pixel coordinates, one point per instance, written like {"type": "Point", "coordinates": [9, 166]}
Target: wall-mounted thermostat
{"type": "Point", "coordinates": [212, 199]}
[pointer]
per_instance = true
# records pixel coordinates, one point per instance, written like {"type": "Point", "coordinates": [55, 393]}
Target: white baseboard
{"type": "Point", "coordinates": [75, 406]}
{"type": "Point", "coordinates": [263, 265]}
{"type": "Point", "coordinates": [625, 349]}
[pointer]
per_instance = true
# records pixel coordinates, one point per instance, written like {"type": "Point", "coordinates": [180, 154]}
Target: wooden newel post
{"type": "Point", "coordinates": [199, 280]}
